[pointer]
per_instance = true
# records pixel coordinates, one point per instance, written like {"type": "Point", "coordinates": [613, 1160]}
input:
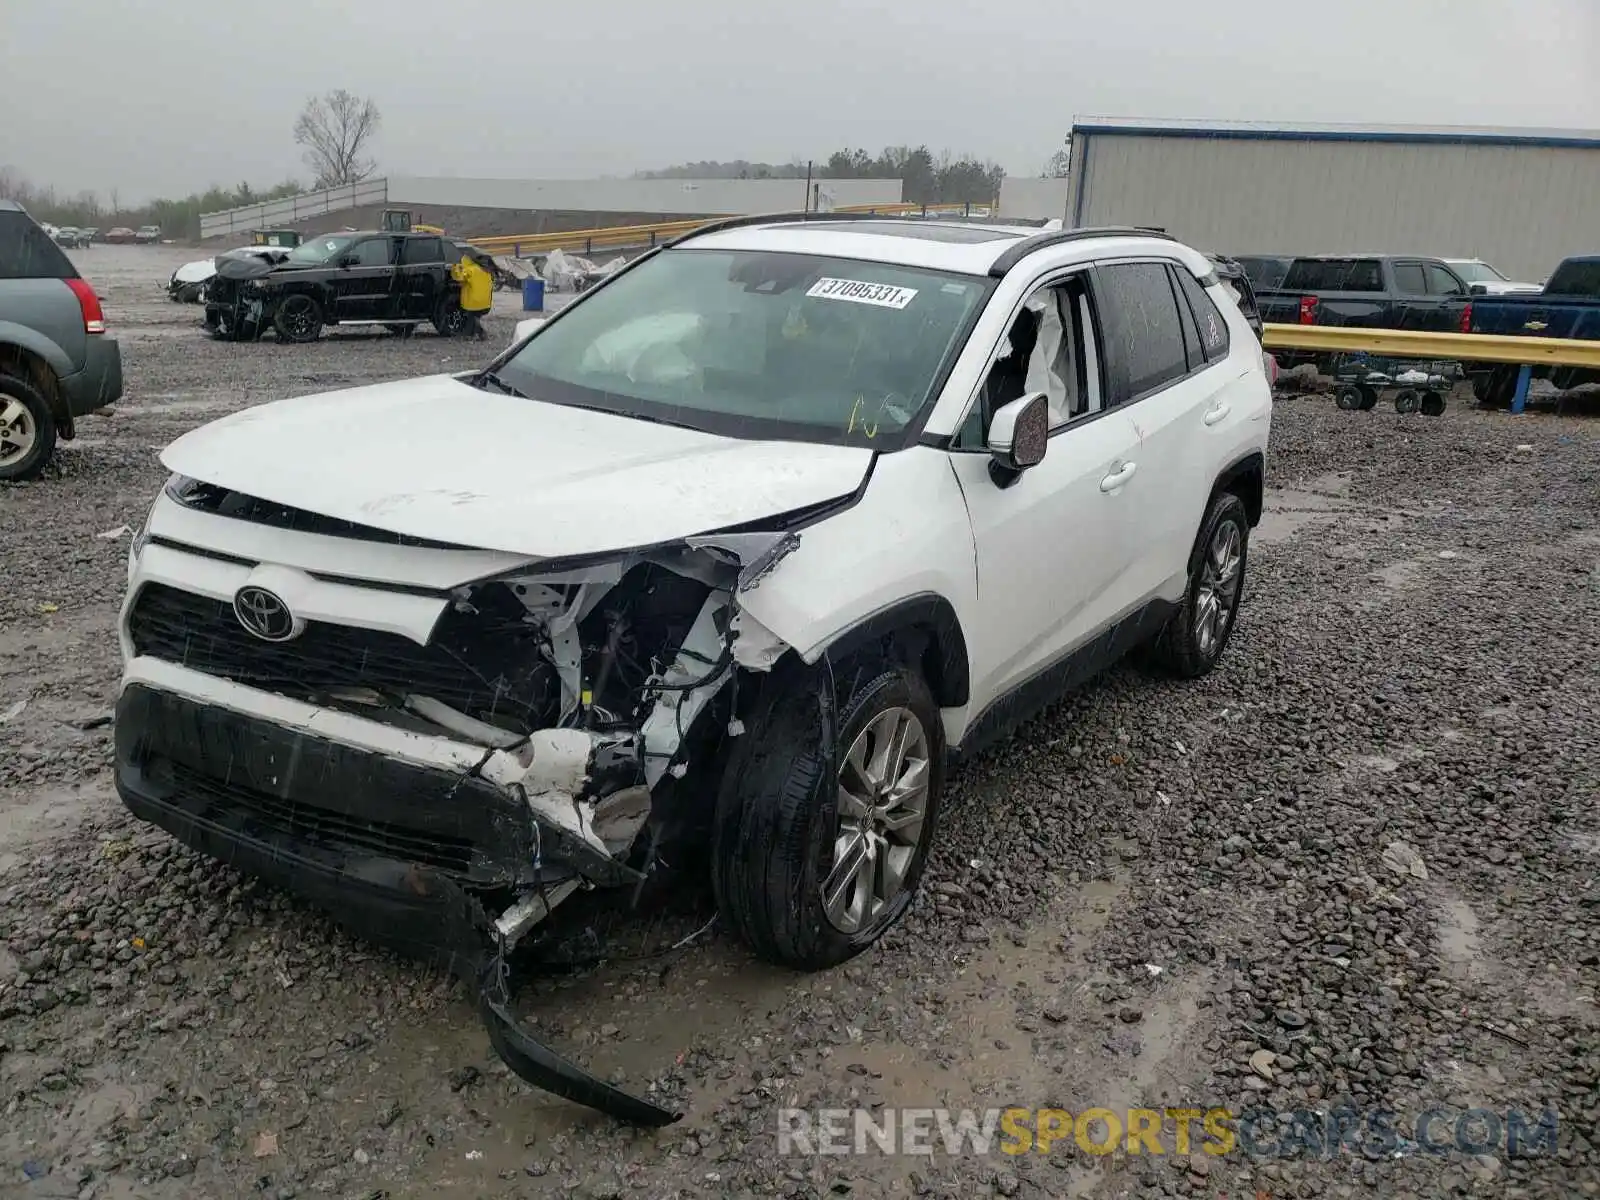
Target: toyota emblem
{"type": "Point", "coordinates": [264, 614]}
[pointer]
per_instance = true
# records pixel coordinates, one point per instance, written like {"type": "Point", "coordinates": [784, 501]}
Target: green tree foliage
{"type": "Point", "coordinates": [177, 218]}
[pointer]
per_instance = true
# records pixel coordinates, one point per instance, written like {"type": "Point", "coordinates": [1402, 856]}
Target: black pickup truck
{"type": "Point", "coordinates": [395, 280]}
{"type": "Point", "coordinates": [1369, 291]}
{"type": "Point", "coordinates": [1567, 307]}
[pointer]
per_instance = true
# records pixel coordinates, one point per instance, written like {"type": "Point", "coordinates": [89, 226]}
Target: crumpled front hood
{"type": "Point", "coordinates": [195, 272]}
{"type": "Point", "coordinates": [438, 459]}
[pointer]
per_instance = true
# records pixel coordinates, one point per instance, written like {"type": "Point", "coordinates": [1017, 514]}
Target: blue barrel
{"type": "Point", "coordinates": [533, 294]}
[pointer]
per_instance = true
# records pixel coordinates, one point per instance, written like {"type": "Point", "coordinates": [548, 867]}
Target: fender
{"type": "Point", "coordinates": [36, 343]}
{"type": "Point", "coordinates": [944, 659]}
{"type": "Point", "coordinates": [1252, 470]}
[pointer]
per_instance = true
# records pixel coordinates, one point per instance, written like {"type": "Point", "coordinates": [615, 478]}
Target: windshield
{"type": "Point", "coordinates": [757, 344]}
{"type": "Point", "coordinates": [319, 250]}
{"type": "Point", "coordinates": [1478, 272]}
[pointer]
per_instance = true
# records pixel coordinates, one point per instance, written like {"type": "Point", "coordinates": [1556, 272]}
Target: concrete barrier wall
{"type": "Point", "coordinates": [1033, 199]}
{"type": "Point", "coordinates": [668, 197]}
{"type": "Point", "coordinates": [478, 222]}
{"type": "Point", "coordinates": [237, 223]}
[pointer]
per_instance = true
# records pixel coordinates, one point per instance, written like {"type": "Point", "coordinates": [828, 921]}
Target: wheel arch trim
{"type": "Point", "coordinates": [945, 658]}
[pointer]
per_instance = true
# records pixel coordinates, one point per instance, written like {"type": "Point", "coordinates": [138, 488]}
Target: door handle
{"type": "Point", "coordinates": [1118, 477]}
{"type": "Point", "coordinates": [1213, 415]}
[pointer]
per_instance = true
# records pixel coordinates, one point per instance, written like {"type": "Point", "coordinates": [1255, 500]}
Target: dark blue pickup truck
{"type": "Point", "coordinates": [1568, 307]}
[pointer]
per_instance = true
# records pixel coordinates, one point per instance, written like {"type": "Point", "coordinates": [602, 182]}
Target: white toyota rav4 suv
{"type": "Point", "coordinates": [733, 554]}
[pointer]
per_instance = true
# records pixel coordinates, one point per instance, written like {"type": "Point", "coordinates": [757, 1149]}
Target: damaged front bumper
{"type": "Point", "coordinates": [404, 837]}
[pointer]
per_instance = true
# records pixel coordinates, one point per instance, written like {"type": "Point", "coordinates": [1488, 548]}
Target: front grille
{"type": "Point", "coordinates": [321, 826]}
{"type": "Point", "coordinates": [204, 635]}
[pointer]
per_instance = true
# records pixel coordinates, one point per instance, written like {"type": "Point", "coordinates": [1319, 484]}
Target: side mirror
{"type": "Point", "coordinates": [524, 328]}
{"type": "Point", "coordinates": [1018, 436]}
{"type": "Point", "coordinates": [1478, 289]}
{"type": "Point", "coordinates": [349, 260]}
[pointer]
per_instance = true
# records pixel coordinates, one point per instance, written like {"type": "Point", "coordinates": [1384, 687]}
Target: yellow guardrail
{"type": "Point", "coordinates": [613, 236]}
{"type": "Point", "coordinates": [1450, 347]}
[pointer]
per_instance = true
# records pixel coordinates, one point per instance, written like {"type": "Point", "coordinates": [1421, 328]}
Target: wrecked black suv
{"type": "Point", "coordinates": [394, 280]}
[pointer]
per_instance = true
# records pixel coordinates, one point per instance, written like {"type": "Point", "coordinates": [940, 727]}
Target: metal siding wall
{"type": "Point", "coordinates": [1522, 208]}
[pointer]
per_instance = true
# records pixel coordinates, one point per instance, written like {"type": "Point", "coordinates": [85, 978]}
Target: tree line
{"type": "Point", "coordinates": [334, 130]}
{"type": "Point", "coordinates": [927, 178]}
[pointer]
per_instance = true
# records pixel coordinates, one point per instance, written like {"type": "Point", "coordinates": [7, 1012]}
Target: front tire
{"type": "Point", "coordinates": [298, 319]}
{"type": "Point", "coordinates": [1196, 634]}
{"type": "Point", "coordinates": [27, 429]}
{"type": "Point", "coordinates": [827, 809]}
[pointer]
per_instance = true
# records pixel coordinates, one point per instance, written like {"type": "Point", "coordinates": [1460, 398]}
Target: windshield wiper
{"type": "Point", "coordinates": [631, 416]}
{"type": "Point", "coordinates": [490, 379]}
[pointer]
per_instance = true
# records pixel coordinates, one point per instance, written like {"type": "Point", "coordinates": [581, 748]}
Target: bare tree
{"type": "Point", "coordinates": [116, 201]}
{"type": "Point", "coordinates": [1058, 164]}
{"type": "Point", "coordinates": [335, 130]}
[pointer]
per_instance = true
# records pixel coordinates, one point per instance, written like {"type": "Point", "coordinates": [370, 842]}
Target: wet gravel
{"type": "Point", "coordinates": [1356, 867]}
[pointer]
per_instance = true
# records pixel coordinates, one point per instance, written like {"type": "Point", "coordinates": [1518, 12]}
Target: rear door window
{"type": "Point", "coordinates": [415, 251]}
{"type": "Point", "coordinates": [374, 252]}
{"type": "Point", "coordinates": [1408, 279]}
{"type": "Point", "coordinates": [26, 251]}
{"type": "Point", "coordinates": [1143, 337]}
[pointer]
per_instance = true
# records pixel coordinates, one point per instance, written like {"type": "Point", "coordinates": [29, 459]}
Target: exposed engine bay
{"type": "Point", "coordinates": [583, 694]}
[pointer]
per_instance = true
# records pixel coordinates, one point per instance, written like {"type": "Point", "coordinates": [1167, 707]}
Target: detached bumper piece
{"type": "Point", "coordinates": [400, 854]}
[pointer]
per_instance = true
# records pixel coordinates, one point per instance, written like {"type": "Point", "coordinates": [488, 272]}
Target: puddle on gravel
{"type": "Point", "coordinates": [1288, 510]}
{"type": "Point", "coordinates": [1458, 933]}
{"type": "Point", "coordinates": [49, 814]}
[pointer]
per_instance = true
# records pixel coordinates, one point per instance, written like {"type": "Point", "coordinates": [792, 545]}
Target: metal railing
{"type": "Point", "coordinates": [294, 208]}
{"type": "Point", "coordinates": [622, 237]}
{"type": "Point", "coordinates": [1467, 348]}
{"type": "Point", "coordinates": [1453, 347]}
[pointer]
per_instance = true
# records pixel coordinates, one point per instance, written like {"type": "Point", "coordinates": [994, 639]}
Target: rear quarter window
{"type": "Point", "coordinates": [1334, 275]}
{"type": "Point", "coordinates": [1208, 319]}
{"type": "Point", "coordinates": [26, 251]}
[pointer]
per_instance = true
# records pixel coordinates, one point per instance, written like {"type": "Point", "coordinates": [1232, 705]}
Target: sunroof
{"type": "Point", "coordinates": [928, 231]}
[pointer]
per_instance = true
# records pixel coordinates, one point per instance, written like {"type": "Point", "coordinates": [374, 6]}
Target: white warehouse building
{"type": "Point", "coordinates": [1520, 199]}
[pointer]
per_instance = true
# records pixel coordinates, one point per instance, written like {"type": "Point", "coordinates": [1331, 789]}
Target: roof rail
{"type": "Point", "coordinates": [798, 217]}
{"type": "Point", "coordinates": [1023, 247]}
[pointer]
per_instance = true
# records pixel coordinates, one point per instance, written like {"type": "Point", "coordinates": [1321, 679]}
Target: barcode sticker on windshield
{"type": "Point", "coordinates": [859, 292]}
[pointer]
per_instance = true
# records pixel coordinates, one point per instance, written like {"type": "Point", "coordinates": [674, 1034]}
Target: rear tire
{"type": "Point", "coordinates": [790, 821]}
{"type": "Point", "coordinates": [1348, 397]}
{"type": "Point", "coordinates": [1196, 634]}
{"type": "Point", "coordinates": [1369, 398]}
{"type": "Point", "coordinates": [27, 429]}
{"type": "Point", "coordinates": [1495, 388]}
{"type": "Point", "coordinates": [1407, 401]}
{"type": "Point", "coordinates": [1432, 404]}
{"type": "Point", "coordinates": [298, 319]}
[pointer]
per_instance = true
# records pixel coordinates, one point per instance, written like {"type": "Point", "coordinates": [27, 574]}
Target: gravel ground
{"type": "Point", "coordinates": [1361, 857]}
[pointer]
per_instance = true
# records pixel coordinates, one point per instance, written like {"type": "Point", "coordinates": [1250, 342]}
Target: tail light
{"type": "Point", "coordinates": [1466, 318]}
{"type": "Point", "coordinates": [94, 318]}
{"type": "Point", "coordinates": [1308, 310]}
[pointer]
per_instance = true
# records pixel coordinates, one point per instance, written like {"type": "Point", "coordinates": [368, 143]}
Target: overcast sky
{"type": "Point", "coordinates": [163, 97]}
